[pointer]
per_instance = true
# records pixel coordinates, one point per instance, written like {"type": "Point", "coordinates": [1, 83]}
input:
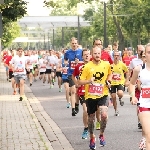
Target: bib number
{"type": "Point", "coordinates": [145, 92]}
{"type": "Point", "coordinates": [65, 70]}
{"type": "Point", "coordinates": [96, 89]}
{"type": "Point", "coordinates": [116, 77]}
{"type": "Point", "coordinates": [19, 68]}
{"type": "Point", "coordinates": [73, 64]}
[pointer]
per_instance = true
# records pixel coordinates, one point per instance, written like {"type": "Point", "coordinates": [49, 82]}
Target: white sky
{"type": "Point", "coordinates": [35, 8]}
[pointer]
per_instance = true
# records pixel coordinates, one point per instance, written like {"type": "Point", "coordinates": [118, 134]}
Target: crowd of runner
{"type": "Point", "coordinates": [94, 78]}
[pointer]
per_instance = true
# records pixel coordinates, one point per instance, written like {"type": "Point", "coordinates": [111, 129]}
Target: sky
{"type": "Point", "coordinates": [35, 8]}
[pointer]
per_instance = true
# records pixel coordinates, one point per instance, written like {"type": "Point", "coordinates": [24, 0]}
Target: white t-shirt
{"type": "Point", "coordinates": [42, 65]}
{"type": "Point", "coordinates": [30, 62]}
{"type": "Point", "coordinates": [19, 64]}
{"type": "Point", "coordinates": [35, 58]}
{"type": "Point", "coordinates": [135, 62]}
{"type": "Point", "coordinates": [51, 61]}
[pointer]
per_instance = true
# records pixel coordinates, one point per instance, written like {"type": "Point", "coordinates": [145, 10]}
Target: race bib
{"type": "Point", "coordinates": [116, 77]}
{"type": "Point", "coordinates": [145, 92]}
{"type": "Point", "coordinates": [43, 66]}
{"type": "Point", "coordinates": [96, 89]}
{"type": "Point", "coordinates": [19, 68]}
{"type": "Point", "coordinates": [81, 90]}
{"type": "Point", "coordinates": [73, 64]}
{"type": "Point", "coordinates": [51, 65]}
{"type": "Point", "coordinates": [64, 70]}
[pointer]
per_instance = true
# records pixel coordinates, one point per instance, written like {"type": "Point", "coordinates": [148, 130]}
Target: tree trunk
{"type": "Point", "coordinates": [139, 37]}
{"type": "Point", "coordinates": [120, 34]}
{"type": "Point", "coordinates": [119, 30]}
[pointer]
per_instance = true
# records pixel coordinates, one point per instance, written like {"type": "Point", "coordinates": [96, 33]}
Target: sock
{"type": "Point", "coordinates": [86, 128]}
{"type": "Point", "coordinates": [76, 105]}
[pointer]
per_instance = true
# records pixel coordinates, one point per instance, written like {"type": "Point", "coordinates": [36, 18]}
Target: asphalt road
{"type": "Point", "coordinates": [121, 132]}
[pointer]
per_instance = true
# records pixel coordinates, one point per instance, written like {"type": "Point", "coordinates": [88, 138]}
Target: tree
{"type": "Point", "coordinates": [127, 20]}
{"type": "Point", "coordinates": [11, 10]}
{"type": "Point", "coordinates": [11, 30]}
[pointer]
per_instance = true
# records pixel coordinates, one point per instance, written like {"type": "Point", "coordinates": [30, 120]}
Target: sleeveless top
{"type": "Point", "coordinates": [144, 77]}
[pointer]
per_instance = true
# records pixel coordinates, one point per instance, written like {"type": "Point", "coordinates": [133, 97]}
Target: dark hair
{"type": "Point", "coordinates": [85, 49]}
{"type": "Point", "coordinates": [115, 44]}
{"type": "Point", "coordinates": [96, 40]}
{"type": "Point", "coordinates": [19, 49]}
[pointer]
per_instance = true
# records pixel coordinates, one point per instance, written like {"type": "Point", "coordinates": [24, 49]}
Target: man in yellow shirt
{"type": "Point", "coordinates": [95, 76]}
{"type": "Point", "coordinates": [118, 81]}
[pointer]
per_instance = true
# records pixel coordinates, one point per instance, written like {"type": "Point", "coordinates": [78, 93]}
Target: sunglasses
{"type": "Point", "coordinates": [74, 43]}
{"type": "Point", "coordinates": [116, 55]}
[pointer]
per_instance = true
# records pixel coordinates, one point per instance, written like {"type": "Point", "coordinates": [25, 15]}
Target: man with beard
{"type": "Point", "coordinates": [95, 75]}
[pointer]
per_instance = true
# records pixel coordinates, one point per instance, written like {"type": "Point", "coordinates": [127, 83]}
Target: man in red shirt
{"type": "Point", "coordinates": [81, 90]}
{"type": "Point", "coordinates": [11, 76]}
{"type": "Point", "coordinates": [5, 55]}
{"type": "Point", "coordinates": [127, 59]}
{"type": "Point", "coordinates": [104, 54]}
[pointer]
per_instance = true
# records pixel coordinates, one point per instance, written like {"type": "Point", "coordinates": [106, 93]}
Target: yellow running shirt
{"type": "Point", "coordinates": [100, 71]}
{"type": "Point", "coordinates": [118, 71]}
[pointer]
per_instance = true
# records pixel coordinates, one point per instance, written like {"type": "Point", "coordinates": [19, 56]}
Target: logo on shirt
{"type": "Point", "coordinates": [98, 76]}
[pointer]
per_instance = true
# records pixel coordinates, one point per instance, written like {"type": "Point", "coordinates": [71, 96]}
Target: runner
{"type": "Point", "coordinates": [18, 65]}
{"type": "Point", "coordinates": [143, 73]}
{"type": "Point", "coordinates": [66, 81]}
{"type": "Point", "coordinates": [94, 76]}
{"type": "Point", "coordinates": [11, 76]}
{"type": "Point", "coordinates": [135, 62]}
{"type": "Point", "coordinates": [51, 62]}
{"type": "Point", "coordinates": [42, 68]}
{"type": "Point", "coordinates": [58, 72]}
{"type": "Point", "coordinates": [73, 56]}
{"type": "Point", "coordinates": [30, 63]}
{"type": "Point", "coordinates": [118, 81]}
{"type": "Point", "coordinates": [35, 65]}
{"type": "Point", "coordinates": [81, 90]}
{"type": "Point", "coordinates": [106, 57]}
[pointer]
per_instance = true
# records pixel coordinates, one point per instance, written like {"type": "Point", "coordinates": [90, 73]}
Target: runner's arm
{"type": "Point", "coordinates": [133, 80]}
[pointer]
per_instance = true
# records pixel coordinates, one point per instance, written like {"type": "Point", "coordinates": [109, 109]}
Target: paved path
{"type": "Point", "coordinates": [121, 132]}
{"type": "Point", "coordinates": [25, 125]}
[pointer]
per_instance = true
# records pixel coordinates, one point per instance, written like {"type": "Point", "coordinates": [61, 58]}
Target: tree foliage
{"type": "Point", "coordinates": [128, 21]}
{"type": "Point", "coordinates": [11, 10]}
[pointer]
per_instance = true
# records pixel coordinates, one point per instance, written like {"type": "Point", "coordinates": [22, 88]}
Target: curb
{"type": "Point", "coordinates": [54, 134]}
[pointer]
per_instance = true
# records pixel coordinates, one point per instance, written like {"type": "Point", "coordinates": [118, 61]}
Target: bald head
{"type": "Point", "coordinates": [140, 48]}
{"type": "Point", "coordinates": [96, 54]}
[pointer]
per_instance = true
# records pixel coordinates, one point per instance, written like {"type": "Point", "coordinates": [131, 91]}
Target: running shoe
{"type": "Point", "coordinates": [102, 140]}
{"type": "Point", "coordinates": [68, 105]}
{"type": "Point", "coordinates": [92, 144]}
{"type": "Point", "coordinates": [14, 93]}
{"type": "Point", "coordinates": [139, 126]}
{"type": "Point", "coordinates": [142, 145]}
{"type": "Point", "coordinates": [85, 134]}
{"type": "Point", "coordinates": [51, 86]}
{"type": "Point", "coordinates": [117, 113]}
{"type": "Point", "coordinates": [53, 81]}
{"type": "Point", "coordinates": [21, 99]}
{"type": "Point", "coordinates": [74, 113]}
{"type": "Point", "coordinates": [60, 89]}
{"type": "Point", "coordinates": [77, 108]}
{"type": "Point", "coordinates": [98, 125]}
{"type": "Point", "coordinates": [121, 102]}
